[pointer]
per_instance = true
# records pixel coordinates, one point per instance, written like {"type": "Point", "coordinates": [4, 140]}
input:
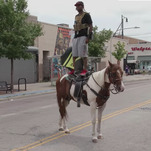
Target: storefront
{"type": "Point", "coordinates": [141, 54]}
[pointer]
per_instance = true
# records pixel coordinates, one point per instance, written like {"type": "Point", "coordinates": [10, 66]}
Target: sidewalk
{"type": "Point", "coordinates": [32, 89]}
{"type": "Point", "coordinates": [42, 88]}
{"type": "Point", "coordinates": [138, 77]}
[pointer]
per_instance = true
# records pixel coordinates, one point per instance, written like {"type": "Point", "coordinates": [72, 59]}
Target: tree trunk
{"type": "Point", "coordinates": [118, 62]}
{"type": "Point", "coordinates": [12, 74]}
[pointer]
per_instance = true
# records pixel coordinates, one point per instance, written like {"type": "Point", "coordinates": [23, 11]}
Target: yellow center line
{"type": "Point", "coordinates": [78, 127]}
{"type": "Point", "coordinates": [59, 133]}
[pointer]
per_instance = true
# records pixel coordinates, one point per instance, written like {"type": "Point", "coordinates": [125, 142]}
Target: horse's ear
{"type": "Point", "coordinates": [110, 64]}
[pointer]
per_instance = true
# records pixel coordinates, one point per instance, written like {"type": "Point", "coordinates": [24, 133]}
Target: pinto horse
{"type": "Point", "coordinates": [97, 91]}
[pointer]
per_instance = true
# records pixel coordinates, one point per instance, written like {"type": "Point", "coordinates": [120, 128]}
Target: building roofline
{"type": "Point", "coordinates": [137, 38]}
{"type": "Point", "coordinates": [54, 25]}
{"type": "Point", "coordinates": [46, 23]}
{"type": "Point", "coordinates": [125, 40]}
{"type": "Point", "coordinates": [134, 38]}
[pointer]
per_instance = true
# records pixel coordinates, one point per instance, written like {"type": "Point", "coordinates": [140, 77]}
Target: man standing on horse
{"type": "Point", "coordinates": [83, 33]}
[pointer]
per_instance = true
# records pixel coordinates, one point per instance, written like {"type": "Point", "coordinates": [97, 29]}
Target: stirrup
{"type": "Point", "coordinates": [78, 102]}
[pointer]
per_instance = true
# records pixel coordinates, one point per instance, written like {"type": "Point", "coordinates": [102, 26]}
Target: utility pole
{"type": "Point", "coordinates": [122, 26]}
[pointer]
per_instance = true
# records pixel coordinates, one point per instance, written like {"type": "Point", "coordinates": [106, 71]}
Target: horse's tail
{"type": "Point", "coordinates": [60, 100]}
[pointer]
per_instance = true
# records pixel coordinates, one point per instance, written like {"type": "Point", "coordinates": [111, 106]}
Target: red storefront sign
{"type": "Point", "coordinates": [140, 48]}
{"type": "Point", "coordinates": [130, 53]}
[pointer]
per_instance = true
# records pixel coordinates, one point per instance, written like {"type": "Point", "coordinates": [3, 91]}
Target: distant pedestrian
{"type": "Point", "coordinates": [126, 70]}
{"type": "Point", "coordinates": [143, 69]}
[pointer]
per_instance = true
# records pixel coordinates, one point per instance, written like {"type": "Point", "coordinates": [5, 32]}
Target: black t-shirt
{"type": "Point", "coordinates": [85, 20]}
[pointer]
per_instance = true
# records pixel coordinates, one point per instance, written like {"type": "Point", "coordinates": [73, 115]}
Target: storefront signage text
{"type": "Point", "coordinates": [140, 49]}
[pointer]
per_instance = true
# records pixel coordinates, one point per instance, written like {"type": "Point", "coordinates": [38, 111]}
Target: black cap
{"type": "Point", "coordinates": [79, 3]}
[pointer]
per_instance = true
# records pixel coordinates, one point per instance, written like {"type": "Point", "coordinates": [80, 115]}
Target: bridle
{"type": "Point", "coordinates": [113, 80]}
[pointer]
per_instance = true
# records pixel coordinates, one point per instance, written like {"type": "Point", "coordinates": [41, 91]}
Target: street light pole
{"type": "Point", "coordinates": [122, 24]}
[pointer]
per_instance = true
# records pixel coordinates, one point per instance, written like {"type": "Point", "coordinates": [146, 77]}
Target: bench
{"type": "Point", "coordinates": [5, 87]}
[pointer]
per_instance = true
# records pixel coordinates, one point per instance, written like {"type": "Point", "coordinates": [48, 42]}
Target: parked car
{"type": "Point", "coordinates": [149, 68]}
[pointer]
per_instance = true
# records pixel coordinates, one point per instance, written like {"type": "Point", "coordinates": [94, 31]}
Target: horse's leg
{"type": "Point", "coordinates": [93, 119]}
{"type": "Point", "coordinates": [65, 127]}
{"type": "Point", "coordinates": [66, 103]}
{"type": "Point", "coordinates": [62, 121]}
{"type": "Point", "coordinates": [60, 118]}
{"type": "Point", "coordinates": [100, 110]}
{"type": "Point", "coordinates": [61, 124]}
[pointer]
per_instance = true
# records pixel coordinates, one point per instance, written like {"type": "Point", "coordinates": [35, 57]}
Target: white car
{"type": "Point", "coordinates": [149, 68]}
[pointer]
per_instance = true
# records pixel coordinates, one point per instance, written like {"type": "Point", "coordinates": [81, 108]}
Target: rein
{"type": "Point", "coordinates": [113, 91]}
{"type": "Point", "coordinates": [96, 81]}
{"type": "Point", "coordinates": [105, 98]}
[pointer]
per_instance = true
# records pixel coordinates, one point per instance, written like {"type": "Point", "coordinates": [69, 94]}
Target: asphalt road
{"type": "Point", "coordinates": [31, 123]}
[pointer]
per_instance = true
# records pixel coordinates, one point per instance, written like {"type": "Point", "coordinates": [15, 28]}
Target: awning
{"type": "Point", "coordinates": [132, 61]}
{"type": "Point", "coordinates": [130, 58]}
{"type": "Point", "coordinates": [144, 58]}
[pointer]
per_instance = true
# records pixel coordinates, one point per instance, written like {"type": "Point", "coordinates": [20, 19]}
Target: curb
{"type": "Point", "coordinates": [10, 96]}
{"type": "Point", "coordinates": [136, 80]}
{"type": "Point", "coordinates": [25, 94]}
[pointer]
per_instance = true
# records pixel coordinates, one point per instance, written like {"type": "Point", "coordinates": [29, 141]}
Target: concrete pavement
{"type": "Point", "coordinates": [31, 123]}
{"type": "Point", "coordinates": [45, 87]}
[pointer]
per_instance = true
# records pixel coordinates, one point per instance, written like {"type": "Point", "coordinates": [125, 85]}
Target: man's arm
{"type": "Point", "coordinates": [90, 29]}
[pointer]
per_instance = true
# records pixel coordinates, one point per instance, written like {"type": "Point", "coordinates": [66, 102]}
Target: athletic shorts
{"type": "Point", "coordinates": [79, 47]}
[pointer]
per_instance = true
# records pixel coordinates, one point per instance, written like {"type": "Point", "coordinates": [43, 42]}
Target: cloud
{"type": "Point", "coordinates": [105, 13]}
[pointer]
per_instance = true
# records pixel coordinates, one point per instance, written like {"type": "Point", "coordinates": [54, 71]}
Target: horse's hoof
{"type": "Point", "coordinates": [61, 129]}
{"type": "Point", "coordinates": [100, 136]}
{"type": "Point", "coordinates": [94, 140]}
{"type": "Point", "coordinates": [67, 132]}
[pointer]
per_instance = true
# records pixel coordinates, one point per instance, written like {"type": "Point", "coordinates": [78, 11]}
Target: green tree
{"type": "Point", "coordinates": [16, 32]}
{"type": "Point", "coordinates": [119, 52]}
{"type": "Point", "coordinates": [97, 44]}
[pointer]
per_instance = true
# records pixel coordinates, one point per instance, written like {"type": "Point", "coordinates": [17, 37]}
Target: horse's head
{"type": "Point", "coordinates": [115, 75]}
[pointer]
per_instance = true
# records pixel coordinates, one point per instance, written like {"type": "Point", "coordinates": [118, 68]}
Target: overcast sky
{"type": "Point", "coordinates": [105, 14]}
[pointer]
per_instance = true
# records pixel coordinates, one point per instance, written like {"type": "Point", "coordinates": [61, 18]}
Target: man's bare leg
{"type": "Point", "coordinates": [85, 63]}
{"type": "Point", "coordinates": [72, 71]}
{"type": "Point", "coordinates": [74, 59]}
